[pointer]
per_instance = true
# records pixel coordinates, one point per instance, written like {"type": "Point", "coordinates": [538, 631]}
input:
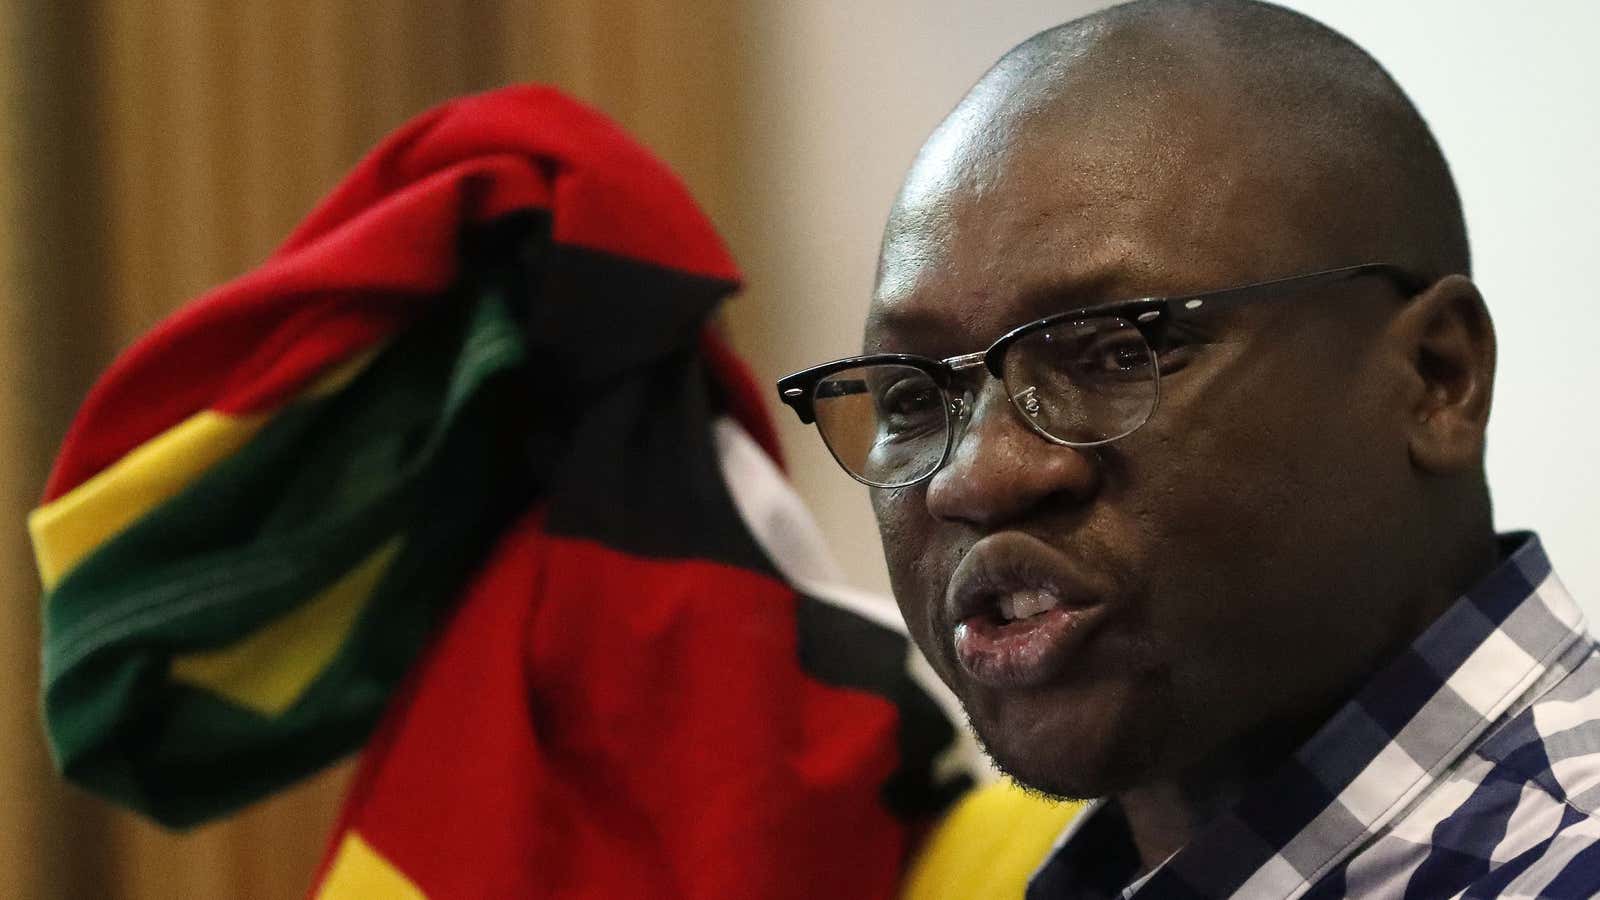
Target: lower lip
{"type": "Point", "coordinates": [1023, 654]}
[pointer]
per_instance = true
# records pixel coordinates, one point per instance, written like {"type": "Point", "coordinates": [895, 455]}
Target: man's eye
{"type": "Point", "coordinates": [1116, 358]}
{"type": "Point", "coordinates": [1127, 356]}
{"type": "Point", "coordinates": [906, 404]}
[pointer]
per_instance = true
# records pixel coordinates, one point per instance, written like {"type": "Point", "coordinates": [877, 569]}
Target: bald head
{"type": "Point", "coordinates": [1224, 108]}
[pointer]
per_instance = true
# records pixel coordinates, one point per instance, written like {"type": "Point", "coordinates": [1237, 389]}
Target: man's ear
{"type": "Point", "coordinates": [1449, 344]}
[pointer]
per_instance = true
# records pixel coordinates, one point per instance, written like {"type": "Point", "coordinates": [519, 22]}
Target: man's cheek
{"type": "Point", "coordinates": [917, 574]}
{"type": "Point", "coordinates": [903, 524]}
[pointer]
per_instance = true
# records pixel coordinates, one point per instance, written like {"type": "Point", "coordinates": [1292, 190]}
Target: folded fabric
{"type": "Point", "coordinates": [465, 425]}
{"type": "Point", "coordinates": [988, 846]}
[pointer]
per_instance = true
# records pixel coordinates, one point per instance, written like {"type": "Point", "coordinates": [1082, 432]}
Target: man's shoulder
{"type": "Point", "coordinates": [1520, 815]}
{"type": "Point", "coordinates": [1552, 743]}
{"type": "Point", "coordinates": [1517, 816]}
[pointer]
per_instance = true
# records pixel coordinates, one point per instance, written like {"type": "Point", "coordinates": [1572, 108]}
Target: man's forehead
{"type": "Point", "coordinates": [1054, 118]}
{"type": "Point", "coordinates": [1193, 145]}
{"type": "Point", "coordinates": [1040, 212]}
{"type": "Point", "coordinates": [1142, 187]}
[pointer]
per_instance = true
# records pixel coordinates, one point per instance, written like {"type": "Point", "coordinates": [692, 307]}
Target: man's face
{"type": "Point", "coordinates": [1214, 571]}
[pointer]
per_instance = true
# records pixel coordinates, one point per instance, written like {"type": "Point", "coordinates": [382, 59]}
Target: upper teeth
{"type": "Point", "coordinates": [1023, 604]}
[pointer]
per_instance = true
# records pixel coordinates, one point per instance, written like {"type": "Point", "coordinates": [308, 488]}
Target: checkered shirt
{"type": "Point", "coordinates": [1468, 767]}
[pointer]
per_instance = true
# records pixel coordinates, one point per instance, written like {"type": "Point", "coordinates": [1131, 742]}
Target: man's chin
{"type": "Point", "coordinates": [1075, 775]}
{"type": "Point", "coordinates": [1078, 751]}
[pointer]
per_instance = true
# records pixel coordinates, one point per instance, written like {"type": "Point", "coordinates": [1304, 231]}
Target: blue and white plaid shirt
{"type": "Point", "coordinates": [1468, 767]}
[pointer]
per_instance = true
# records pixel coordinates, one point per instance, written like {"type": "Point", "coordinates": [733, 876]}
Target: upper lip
{"type": "Point", "coordinates": [1012, 561]}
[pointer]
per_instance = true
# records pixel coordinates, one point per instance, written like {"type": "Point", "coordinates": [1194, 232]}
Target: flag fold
{"type": "Point", "coordinates": [463, 474]}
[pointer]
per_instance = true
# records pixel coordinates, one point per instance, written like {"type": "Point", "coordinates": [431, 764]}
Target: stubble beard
{"type": "Point", "coordinates": [1133, 751]}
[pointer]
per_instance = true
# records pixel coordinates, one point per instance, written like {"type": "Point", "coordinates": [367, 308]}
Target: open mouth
{"type": "Point", "coordinates": [1019, 612]}
{"type": "Point", "coordinates": [1019, 605]}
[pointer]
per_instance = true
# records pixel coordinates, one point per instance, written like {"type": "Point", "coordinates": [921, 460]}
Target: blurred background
{"type": "Point", "coordinates": [152, 149]}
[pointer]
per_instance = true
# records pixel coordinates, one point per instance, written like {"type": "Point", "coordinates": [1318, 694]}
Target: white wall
{"type": "Point", "coordinates": [1513, 93]}
{"type": "Point", "coordinates": [851, 88]}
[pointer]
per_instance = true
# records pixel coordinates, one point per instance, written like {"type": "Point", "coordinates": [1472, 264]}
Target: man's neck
{"type": "Point", "coordinates": [1161, 820]}
{"type": "Point", "coordinates": [1164, 815]}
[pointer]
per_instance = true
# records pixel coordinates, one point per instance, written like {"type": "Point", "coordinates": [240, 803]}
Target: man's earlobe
{"type": "Point", "coordinates": [1451, 346]}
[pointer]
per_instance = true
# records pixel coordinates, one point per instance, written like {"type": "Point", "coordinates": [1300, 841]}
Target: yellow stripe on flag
{"type": "Point", "coordinates": [270, 669]}
{"type": "Point", "coordinates": [988, 846]}
{"type": "Point", "coordinates": [70, 527]}
{"type": "Point", "coordinates": [66, 530]}
{"type": "Point", "coordinates": [359, 872]}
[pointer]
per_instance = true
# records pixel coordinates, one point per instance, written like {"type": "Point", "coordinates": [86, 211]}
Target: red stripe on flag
{"type": "Point", "coordinates": [593, 724]}
{"type": "Point", "coordinates": [608, 192]}
{"type": "Point", "coordinates": [384, 240]}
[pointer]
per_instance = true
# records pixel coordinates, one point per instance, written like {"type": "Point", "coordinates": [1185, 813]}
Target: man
{"type": "Point", "coordinates": [1222, 559]}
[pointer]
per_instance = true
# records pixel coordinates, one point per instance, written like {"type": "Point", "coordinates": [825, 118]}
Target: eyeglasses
{"type": "Point", "coordinates": [1079, 378]}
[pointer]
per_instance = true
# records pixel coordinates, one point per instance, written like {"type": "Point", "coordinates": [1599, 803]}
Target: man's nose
{"type": "Point", "coordinates": [1001, 469]}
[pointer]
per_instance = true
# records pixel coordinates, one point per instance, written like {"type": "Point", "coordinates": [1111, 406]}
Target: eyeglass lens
{"type": "Point", "coordinates": [886, 424]}
{"type": "Point", "coordinates": [1080, 383]}
{"type": "Point", "coordinates": [1083, 383]}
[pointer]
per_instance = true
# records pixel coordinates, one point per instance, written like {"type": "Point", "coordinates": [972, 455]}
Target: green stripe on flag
{"type": "Point", "coordinates": [416, 448]}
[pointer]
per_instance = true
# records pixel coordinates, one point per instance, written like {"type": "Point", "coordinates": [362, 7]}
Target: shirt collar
{"type": "Point", "coordinates": [1416, 717]}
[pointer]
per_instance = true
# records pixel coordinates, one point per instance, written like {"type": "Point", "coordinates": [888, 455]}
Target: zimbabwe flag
{"type": "Point", "coordinates": [462, 474]}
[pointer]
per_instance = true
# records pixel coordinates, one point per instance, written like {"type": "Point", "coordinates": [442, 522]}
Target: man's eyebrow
{"type": "Point", "coordinates": [1107, 284]}
{"type": "Point", "coordinates": [911, 320]}
{"type": "Point", "coordinates": [905, 321]}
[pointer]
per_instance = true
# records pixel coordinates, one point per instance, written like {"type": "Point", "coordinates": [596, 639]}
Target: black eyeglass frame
{"type": "Point", "coordinates": [1148, 314]}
